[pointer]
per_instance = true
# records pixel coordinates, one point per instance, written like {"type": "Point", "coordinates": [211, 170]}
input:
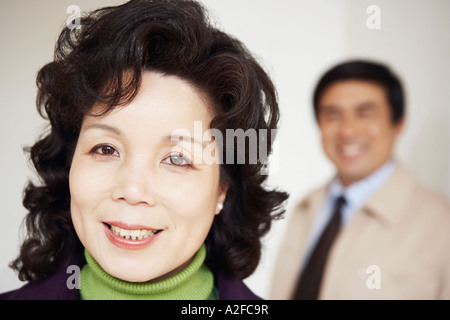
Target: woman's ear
{"type": "Point", "coordinates": [221, 199]}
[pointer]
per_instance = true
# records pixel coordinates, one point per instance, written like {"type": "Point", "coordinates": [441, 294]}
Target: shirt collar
{"type": "Point", "coordinates": [358, 193]}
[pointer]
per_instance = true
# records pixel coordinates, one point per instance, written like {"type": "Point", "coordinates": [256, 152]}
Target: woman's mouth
{"type": "Point", "coordinates": [130, 237]}
{"type": "Point", "coordinates": [133, 234]}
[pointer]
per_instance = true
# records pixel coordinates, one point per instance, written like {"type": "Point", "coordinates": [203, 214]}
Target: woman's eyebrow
{"type": "Point", "coordinates": [101, 126]}
{"type": "Point", "coordinates": [165, 139]}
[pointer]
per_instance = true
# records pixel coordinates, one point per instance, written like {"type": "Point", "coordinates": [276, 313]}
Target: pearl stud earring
{"type": "Point", "coordinates": [219, 206]}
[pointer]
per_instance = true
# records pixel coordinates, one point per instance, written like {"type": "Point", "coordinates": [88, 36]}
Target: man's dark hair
{"type": "Point", "coordinates": [367, 71]}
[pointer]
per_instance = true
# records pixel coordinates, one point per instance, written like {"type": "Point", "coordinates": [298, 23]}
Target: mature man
{"type": "Point", "coordinates": [373, 232]}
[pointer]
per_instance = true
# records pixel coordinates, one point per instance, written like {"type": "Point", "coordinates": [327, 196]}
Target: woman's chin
{"type": "Point", "coordinates": [125, 273]}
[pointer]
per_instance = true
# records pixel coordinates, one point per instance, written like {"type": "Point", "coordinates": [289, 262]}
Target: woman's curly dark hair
{"type": "Point", "coordinates": [102, 62]}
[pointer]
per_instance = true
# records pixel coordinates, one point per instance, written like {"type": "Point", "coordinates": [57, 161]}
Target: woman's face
{"type": "Point", "coordinates": [140, 203]}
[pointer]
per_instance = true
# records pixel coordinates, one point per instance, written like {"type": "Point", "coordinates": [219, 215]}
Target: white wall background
{"type": "Point", "coordinates": [296, 41]}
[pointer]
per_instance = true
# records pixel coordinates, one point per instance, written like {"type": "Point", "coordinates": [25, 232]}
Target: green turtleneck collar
{"type": "Point", "coordinates": [195, 282]}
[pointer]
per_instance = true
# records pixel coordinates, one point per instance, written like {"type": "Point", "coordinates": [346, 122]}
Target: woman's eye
{"type": "Point", "coordinates": [177, 160]}
{"type": "Point", "coordinates": [105, 150]}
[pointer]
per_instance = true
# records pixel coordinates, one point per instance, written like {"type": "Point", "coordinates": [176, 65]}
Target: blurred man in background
{"type": "Point", "coordinates": [372, 232]}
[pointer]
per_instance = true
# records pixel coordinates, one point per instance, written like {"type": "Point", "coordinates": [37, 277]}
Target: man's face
{"type": "Point", "coordinates": [358, 134]}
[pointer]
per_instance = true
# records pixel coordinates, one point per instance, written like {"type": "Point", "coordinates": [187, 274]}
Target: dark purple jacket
{"type": "Point", "coordinates": [55, 288]}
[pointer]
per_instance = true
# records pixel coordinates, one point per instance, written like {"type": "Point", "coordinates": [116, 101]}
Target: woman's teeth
{"type": "Point", "coordinates": [132, 234]}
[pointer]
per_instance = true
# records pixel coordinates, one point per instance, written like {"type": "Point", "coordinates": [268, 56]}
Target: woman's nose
{"type": "Point", "coordinates": [134, 184]}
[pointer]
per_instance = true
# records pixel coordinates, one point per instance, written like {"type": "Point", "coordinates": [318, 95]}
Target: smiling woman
{"type": "Point", "coordinates": [134, 209]}
{"type": "Point", "coordinates": [126, 176]}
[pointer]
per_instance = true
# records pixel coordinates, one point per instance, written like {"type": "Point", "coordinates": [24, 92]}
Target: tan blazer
{"type": "Point", "coordinates": [396, 247]}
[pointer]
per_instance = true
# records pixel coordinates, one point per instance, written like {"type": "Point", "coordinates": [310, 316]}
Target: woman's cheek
{"type": "Point", "coordinates": [191, 193]}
